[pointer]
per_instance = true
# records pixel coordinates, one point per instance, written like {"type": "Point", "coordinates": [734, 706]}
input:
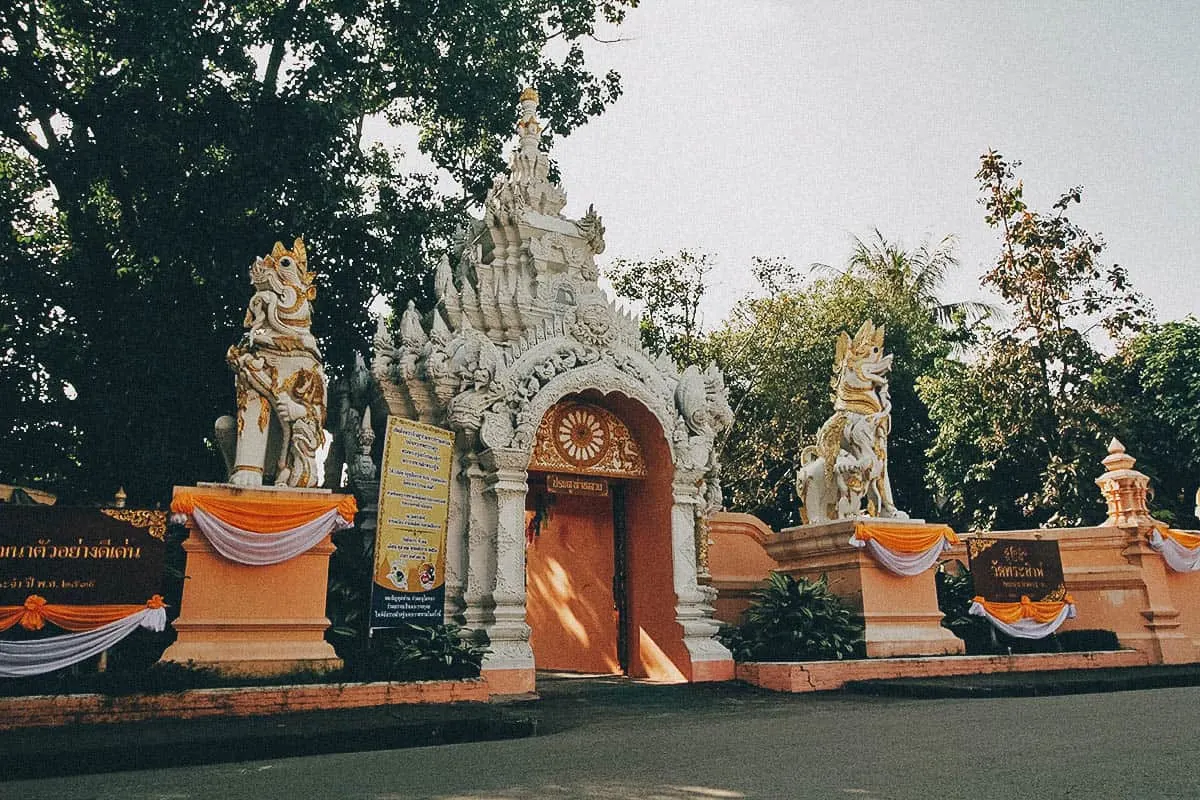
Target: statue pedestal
{"type": "Point", "coordinates": [253, 620]}
{"type": "Point", "coordinates": [900, 614]}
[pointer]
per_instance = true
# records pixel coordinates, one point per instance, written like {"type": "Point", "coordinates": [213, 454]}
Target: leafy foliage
{"type": "Point", "coordinates": [417, 653]}
{"type": "Point", "coordinates": [955, 591]}
{"type": "Point", "coordinates": [917, 274]}
{"type": "Point", "coordinates": [155, 678]}
{"type": "Point", "coordinates": [1151, 390]}
{"type": "Point", "coordinates": [1021, 430]}
{"type": "Point", "coordinates": [777, 352]}
{"type": "Point", "coordinates": [148, 151]}
{"type": "Point", "coordinates": [407, 653]}
{"type": "Point", "coordinates": [671, 288]}
{"type": "Point", "coordinates": [792, 620]}
{"type": "Point", "coordinates": [348, 596]}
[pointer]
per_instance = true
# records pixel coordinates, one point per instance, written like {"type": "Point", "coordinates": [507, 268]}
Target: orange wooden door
{"type": "Point", "coordinates": [569, 585]}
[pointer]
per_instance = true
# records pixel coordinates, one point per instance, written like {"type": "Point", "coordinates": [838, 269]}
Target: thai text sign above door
{"type": "Point", "coordinates": [577, 484]}
{"type": "Point", "coordinates": [80, 556]}
{"type": "Point", "coordinates": [408, 584]}
{"type": "Point", "coordinates": [1005, 570]}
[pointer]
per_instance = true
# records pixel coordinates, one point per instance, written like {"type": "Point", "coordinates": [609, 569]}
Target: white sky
{"type": "Point", "coordinates": [751, 127]}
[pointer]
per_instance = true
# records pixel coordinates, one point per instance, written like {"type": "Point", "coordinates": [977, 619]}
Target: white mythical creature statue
{"type": "Point", "coordinates": [848, 464]}
{"type": "Point", "coordinates": [281, 389]}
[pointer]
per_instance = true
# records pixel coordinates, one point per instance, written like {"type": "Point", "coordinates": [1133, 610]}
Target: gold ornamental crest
{"type": "Point", "coordinates": [585, 439]}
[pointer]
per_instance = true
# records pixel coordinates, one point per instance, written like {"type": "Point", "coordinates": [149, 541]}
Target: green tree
{"type": "Point", "coordinates": [1020, 429]}
{"type": "Point", "coordinates": [31, 329]}
{"type": "Point", "coordinates": [919, 274]}
{"type": "Point", "coordinates": [151, 150]}
{"type": "Point", "coordinates": [777, 351]}
{"type": "Point", "coordinates": [670, 288]}
{"type": "Point", "coordinates": [1150, 391]}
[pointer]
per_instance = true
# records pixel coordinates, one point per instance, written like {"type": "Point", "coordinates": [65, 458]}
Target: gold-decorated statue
{"type": "Point", "coordinates": [849, 464]}
{"type": "Point", "coordinates": [280, 383]}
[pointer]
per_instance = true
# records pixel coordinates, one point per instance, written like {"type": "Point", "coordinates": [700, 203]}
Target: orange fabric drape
{"type": "Point", "coordinates": [36, 612]}
{"type": "Point", "coordinates": [265, 514]}
{"type": "Point", "coordinates": [1026, 609]}
{"type": "Point", "coordinates": [1189, 541]}
{"type": "Point", "coordinates": [904, 538]}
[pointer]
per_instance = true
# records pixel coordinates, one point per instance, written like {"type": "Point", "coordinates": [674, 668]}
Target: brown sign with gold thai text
{"type": "Point", "coordinates": [576, 484]}
{"type": "Point", "coordinates": [80, 556]}
{"type": "Point", "coordinates": [1005, 570]}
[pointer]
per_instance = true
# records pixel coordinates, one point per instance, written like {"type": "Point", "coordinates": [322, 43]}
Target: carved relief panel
{"type": "Point", "coordinates": [586, 439]}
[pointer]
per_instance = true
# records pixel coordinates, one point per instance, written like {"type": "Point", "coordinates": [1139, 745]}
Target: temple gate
{"type": "Point", "coordinates": [522, 349]}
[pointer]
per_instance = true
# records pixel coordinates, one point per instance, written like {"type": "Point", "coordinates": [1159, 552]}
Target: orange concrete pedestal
{"type": "Point", "coordinates": [253, 620]}
{"type": "Point", "coordinates": [900, 614]}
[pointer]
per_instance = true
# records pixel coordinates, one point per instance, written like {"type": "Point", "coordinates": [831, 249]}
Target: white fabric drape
{"type": "Point", "coordinates": [907, 564]}
{"type": "Point", "coordinates": [1026, 628]}
{"type": "Point", "coordinates": [261, 549]}
{"type": "Point", "coordinates": [21, 659]}
{"type": "Point", "coordinates": [1178, 557]}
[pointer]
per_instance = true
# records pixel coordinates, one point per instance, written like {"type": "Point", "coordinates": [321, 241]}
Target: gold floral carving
{"type": "Point", "coordinates": [156, 521]}
{"type": "Point", "coordinates": [977, 545]}
{"type": "Point", "coordinates": [584, 439]}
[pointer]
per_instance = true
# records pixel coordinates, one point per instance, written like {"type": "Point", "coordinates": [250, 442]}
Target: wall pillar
{"type": "Point", "coordinates": [1163, 637]}
{"type": "Point", "coordinates": [1125, 491]}
{"type": "Point", "coordinates": [508, 665]}
{"type": "Point", "coordinates": [456, 537]}
{"type": "Point", "coordinates": [481, 549]}
{"type": "Point", "coordinates": [710, 660]}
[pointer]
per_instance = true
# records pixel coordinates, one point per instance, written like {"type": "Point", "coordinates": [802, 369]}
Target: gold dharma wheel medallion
{"type": "Point", "coordinates": [581, 436]}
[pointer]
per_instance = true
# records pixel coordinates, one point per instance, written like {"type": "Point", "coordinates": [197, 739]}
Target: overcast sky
{"type": "Point", "coordinates": [750, 127]}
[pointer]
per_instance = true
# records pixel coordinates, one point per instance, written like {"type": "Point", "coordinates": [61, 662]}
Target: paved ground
{"type": "Point", "coordinates": [618, 741]}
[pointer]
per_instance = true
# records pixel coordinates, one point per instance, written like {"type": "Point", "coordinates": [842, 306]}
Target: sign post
{"type": "Point", "coordinates": [1005, 570]}
{"type": "Point", "coordinates": [586, 486]}
{"type": "Point", "coordinates": [80, 556]}
{"type": "Point", "coordinates": [408, 581]}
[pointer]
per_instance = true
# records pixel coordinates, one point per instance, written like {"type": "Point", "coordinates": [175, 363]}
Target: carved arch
{"type": "Point", "coordinates": [601, 377]}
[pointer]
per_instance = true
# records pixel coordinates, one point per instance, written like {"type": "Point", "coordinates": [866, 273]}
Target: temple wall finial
{"type": "Point", "coordinates": [1125, 489]}
{"type": "Point", "coordinates": [527, 185]}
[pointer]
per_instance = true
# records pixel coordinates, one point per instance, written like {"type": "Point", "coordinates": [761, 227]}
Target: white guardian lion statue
{"type": "Point", "coordinates": [848, 465]}
{"type": "Point", "coordinates": [281, 389]}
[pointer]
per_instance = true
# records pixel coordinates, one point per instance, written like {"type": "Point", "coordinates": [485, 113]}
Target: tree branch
{"type": "Point", "coordinates": [26, 140]}
{"type": "Point", "coordinates": [284, 30]}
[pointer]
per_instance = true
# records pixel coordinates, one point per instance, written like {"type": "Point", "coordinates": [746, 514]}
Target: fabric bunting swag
{"type": "Point", "coordinates": [904, 549]}
{"type": "Point", "coordinates": [259, 532]}
{"type": "Point", "coordinates": [1180, 550]}
{"type": "Point", "coordinates": [1026, 619]}
{"type": "Point", "coordinates": [21, 659]}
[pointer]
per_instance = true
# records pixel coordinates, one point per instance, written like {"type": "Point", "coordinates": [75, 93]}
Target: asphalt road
{"type": "Point", "coordinates": [704, 742]}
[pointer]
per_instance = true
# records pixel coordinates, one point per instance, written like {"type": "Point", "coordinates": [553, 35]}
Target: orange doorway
{"type": "Point", "coordinates": [600, 572]}
{"type": "Point", "coordinates": [574, 581]}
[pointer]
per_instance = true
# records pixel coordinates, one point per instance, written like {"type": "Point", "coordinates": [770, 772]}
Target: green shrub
{"type": "Point", "coordinates": [407, 653]}
{"type": "Point", "coordinates": [422, 653]}
{"type": "Point", "coordinates": [955, 591]}
{"type": "Point", "coordinates": [792, 620]}
{"type": "Point", "coordinates": [1082, 641]}
{"type": "Point", "coordinates": [160, 678]}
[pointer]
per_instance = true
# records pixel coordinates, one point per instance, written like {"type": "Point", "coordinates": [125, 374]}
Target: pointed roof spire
{"type": "Point", "coordinates": [1117, 458]}
{"type": "Point", "coordinates": [528, 126]}
{"type": "Point", "coordinates": [527, 184]}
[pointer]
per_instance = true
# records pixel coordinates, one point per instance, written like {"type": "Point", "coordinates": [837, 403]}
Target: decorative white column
{"type": "Point", "coordinates": [508, 633]}
{"type": "Point", "coordinates": [481, 549]}
{"type": "Point", "coordinates": [692, 612]}
{"type": "Point", "coordinates": [458, 523]}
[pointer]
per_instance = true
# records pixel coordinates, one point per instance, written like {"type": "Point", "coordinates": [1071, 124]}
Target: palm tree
{"type": "Point", "coordinates": [918, 274]}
